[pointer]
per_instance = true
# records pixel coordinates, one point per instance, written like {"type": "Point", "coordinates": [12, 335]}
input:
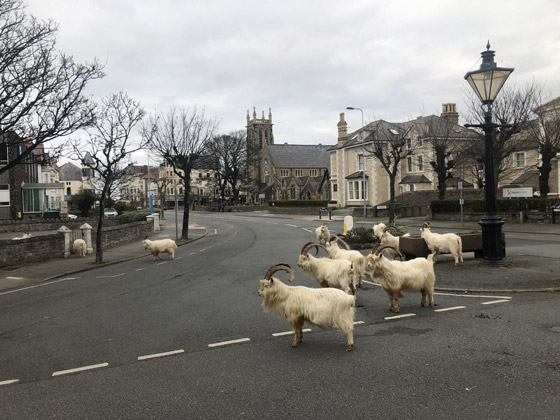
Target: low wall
{"type": "Point", "coordinates": [31, 250]}
{"type": "Point", "coordinates": [527, 217]}
{"type": "Point", "coordinates": [41, 225]}
{"type": "Point", "coordinates": [51, 246]}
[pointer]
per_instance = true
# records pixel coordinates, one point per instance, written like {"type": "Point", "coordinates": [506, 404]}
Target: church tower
{"type": "Point", "coordinates": [259, 135]}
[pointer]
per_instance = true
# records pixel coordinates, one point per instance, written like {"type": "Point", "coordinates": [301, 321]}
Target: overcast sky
{"type": "Point", "coordinates": [307, 60]}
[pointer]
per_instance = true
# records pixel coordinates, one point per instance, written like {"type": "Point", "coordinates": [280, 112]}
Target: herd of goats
{"type": "Point", "coordinates": [333, 305]}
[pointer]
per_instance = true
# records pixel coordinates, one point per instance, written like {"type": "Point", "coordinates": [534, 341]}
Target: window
{"type": "Point", "coordinates": [356, 190]}
{"type": "Point", "coordinates": [284, 172]}
{"type": "Point", "coordinates": [519, 161]}
{"type": "Point", "coordinates": [314, 172]}
{"type": "Point", "coordinates": [410, 187]}
{"type": "Point", "coordinates": [335, 187]}
{"type": "Point", "coordinates": [3, 153]}
{"type": "Point", "coordinates": [420, 163]}
{"type": "Point", "coordinates": [200, 174]}
{"type": "Point", "coordinates": [33, 201]}
{"type": "Point", "coordinates": [298, 172]}
{"type": "Point", "coordinates": [409, 144]}
{"type": "Point", "coordinates": [419, 142]}
{"type": "Point", "coordinates": [409, 164]}
{"type": "Point", "coordinates": [361, 160]}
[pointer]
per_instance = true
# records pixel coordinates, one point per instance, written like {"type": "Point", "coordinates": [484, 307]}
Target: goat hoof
{"type": "Point", "coordinates": [349, 347]}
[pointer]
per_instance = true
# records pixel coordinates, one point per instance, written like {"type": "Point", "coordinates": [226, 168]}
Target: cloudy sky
{"type": "Point", "coordinates": [306, 59]}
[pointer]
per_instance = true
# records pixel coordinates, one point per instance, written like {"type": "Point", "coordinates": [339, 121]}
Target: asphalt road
{"type": "Point", "coordinates": [147, 341]}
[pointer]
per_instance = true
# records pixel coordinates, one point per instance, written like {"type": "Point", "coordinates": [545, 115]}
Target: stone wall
{"type": "Point", "coordinates": [41, 225]}
{"type": "Point", "coordinates": [120, 234]}
{"type": "Point", "coordinates": [527, 217]}
{"type": "Point", "coordinates": [31, 250]}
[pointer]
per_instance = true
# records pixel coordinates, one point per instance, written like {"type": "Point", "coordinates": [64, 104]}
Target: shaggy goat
{"type": "Point", "coordinates": [329, 273]}
{"type": "Point", "coordinates": [160, 246]}
{"type": "Point", "coordinates": [388, 239]}
{"type": "Point", "coordinates": [323, 233]}
{"type": "Point", "coordinates": [327, 308]}
{"type": "Point", "coordinates": [416, 275]}
{"type": "Point", "coordinates": [356, 257]}
{"type": "Point", "coordinates": [446, 242]}
{"type": "Point", "coordinates": [79, 247]}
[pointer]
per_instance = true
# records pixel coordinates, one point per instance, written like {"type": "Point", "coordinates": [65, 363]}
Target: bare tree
{"type": "Point", "coordinates": [110, 147]}
{"type": "Point", "coordinates": [229, 153]}
{"type": "Point", "coordinates": [448, 142]}
{"type": "Point", "coordinates": [162, 182]}
{"type": "Point", "coordinates": [389, 144]}
{"type": "Point", "coordinates": [180, 138]}
{"type": "Point", "coordinates": [513, 110]}
{"type": "Point", "coordinates": [544, 131]}
{"type": "Point", "coordinates": [41, 90]}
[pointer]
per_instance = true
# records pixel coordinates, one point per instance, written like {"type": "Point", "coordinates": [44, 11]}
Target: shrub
{"type": "Point", "coordinates": [134, 216]}
{"type": "Point", "coordinates": [361, 234]}
{"type": "Point", "coordinates": [299, 203]}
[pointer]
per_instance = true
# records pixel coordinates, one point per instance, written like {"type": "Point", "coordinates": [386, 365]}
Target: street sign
{"type": "Point", "coordinates": [262, 196]}
{"type": "Point", "coordinates": [461, 201]}
{"type": "Point", "coordinates": [460, 185]}
{"type": "Point", "coordinates": [518, 192]}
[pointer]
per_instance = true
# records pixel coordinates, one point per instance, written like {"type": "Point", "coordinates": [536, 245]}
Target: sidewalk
{"type": "Point", "coordinates": [30, 274]}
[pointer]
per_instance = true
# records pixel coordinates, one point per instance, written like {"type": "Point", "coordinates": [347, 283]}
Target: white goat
{"type": "Point", "coordinates": [79, 247]}
{"type": "Point", "coordinates": [446, 242]}
{"type": "Point", "coordinates": [322, 233]}
{"type": "Point", "coordinates": [160, 246]}
{"type": "Point", "coordinates": [416, 275]}
{"type": "Point", "coordinates": [327, 308]}
{"type": "Point", "coordinates": [388, 239]}
{"type": "Point", "coordinates": [329, 273]}
{"type": "Point", "coordinates": [356, 257]}
{"type": "Point", "coordinates": [378, 229]}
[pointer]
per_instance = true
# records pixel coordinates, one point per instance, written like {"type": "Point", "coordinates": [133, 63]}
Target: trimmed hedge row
{"type": "Point", "coordinates": [298, 203]}
{"type": "Point", "coordinates": [506, 205]}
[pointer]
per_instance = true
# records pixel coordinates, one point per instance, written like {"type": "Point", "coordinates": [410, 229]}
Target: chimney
{"type": "Point", "coordinates": [342, 131]}
{"type": "Point", "coordinates": [449, 112]}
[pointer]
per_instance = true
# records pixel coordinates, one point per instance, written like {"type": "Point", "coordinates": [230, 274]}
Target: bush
{"type": "Point", "coordinates": [84, 201]}
{"type": "Point", "coordinates": [299, 203]}
{"type": "Point", "coordinates": [134, 216]}
{"type": "Point", "coordinates": [361, 235]}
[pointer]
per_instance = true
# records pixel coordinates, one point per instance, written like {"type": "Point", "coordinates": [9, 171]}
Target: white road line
{"type": "Point", "coordinates": [9, 381]}
{"type": "Point", "coordinates": [178, 258]}
{"type": "Point", "coordinates": [280, 334]}
{"type": "Point", "coordinates": [38, 285]}
{"type": "Point", "coordinates": [291, 225]}
{"type": "Point", "coordinates": [109, 277]}
{"type": "Point", "coordinates": [358, 322]}
{"type": "Point", "coordinates": [14, 278]}
{"type": "Point", "coordinates": [153, 356]}
{"type": "Point", "coordinates": [225, 343]}
{"type": "Point", "coordinates": [471, 295]}
{"type": "Point", "coordinates": [453, 308]}
{"type": "Point", "coordinates": [140, 269]}
{"type": "Point", "coordinates": [202, 250]}
{"type": "Point", "coordinates": [80, 369]}
{"type": "Point", "coordinates": [387, 318]}
{"type": "Point", "coordinates": [307, 230]}
{"type": "Point", "coordinates": [163, 262]}
{"type": "Point", "coordinates": [192, 253]}
{"type": "Point", "coordinates": [495, 301]}
{"type": "Point", "coordinates": [215, 231]}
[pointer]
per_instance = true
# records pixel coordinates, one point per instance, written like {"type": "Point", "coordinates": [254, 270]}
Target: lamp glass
{"type": "Point", "coordinates": [487, 84]}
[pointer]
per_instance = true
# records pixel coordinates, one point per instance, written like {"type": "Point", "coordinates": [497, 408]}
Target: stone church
{"type": "Point", "coordinates": [284, 171]}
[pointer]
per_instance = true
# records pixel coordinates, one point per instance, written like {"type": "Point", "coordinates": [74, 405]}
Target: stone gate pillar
{"type": "Point", "coordinates": [86, 235]}
{"type": "Point", "coordinates": [67, 243]}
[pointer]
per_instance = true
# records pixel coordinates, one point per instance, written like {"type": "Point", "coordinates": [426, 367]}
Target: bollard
{"type": "Point", "coordinates": [86, 235]}
{"type": "Point", "coordinates": [63, 229]}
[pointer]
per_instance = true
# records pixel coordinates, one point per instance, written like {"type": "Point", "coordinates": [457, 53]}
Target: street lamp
{"type": "Point", "coordinates": [486, 83]}
{"type": "Point", "coordinates": [364, 190]}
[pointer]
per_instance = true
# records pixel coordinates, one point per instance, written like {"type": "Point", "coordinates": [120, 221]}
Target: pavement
{"type": "Point", "coordinates": [523, 273]}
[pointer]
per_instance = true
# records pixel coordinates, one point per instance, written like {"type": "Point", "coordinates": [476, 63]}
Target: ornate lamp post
{"type": "Point", "coordinates": [487, 82]}
{"type": "Point", "coordinates": [364, 189]}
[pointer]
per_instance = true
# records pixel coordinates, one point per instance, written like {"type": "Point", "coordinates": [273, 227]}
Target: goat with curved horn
{"type": "Point", "coordinates": [278, 267]}
{"type": "Point", "coordinates": [393, 228]}
{"type": "Point", "coordinates": [382, 247]}
{"type": "Point", "coordinates": [310, 245]}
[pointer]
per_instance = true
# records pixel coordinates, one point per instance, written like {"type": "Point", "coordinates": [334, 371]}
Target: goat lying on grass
{"type": "Point", "coordinates": [327, 308]}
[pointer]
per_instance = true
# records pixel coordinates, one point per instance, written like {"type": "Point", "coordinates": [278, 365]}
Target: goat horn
{"type": "Point", "coordinates": [278, 267]}
{"type": "Point", "coordinates": [332, 238]}
{"type": "Point", "coordinates": [310, 245]}
{"type": "Point", "coordinates": [146, 237]}
{"type": "Point", "coordinates": [425, 225]}
{"type": "Point", "coordinates": [393, 228]}
{"type": "Point", "coordinates": [342, 241]}
{"type": "Point", "coordinates": [381, 248]}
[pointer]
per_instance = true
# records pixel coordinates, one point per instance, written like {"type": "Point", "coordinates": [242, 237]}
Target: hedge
{"type": "Point", "coordinates": [299, 203]}
{"type": "Point", "coordinates": [505, 205]}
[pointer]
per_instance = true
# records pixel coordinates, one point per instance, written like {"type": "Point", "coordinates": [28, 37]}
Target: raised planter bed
{"type": "Point", "coordinates": [415, 246]}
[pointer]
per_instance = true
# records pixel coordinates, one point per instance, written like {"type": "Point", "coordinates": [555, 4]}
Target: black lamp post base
{"type": "Point", "coordinates": [493, 245]}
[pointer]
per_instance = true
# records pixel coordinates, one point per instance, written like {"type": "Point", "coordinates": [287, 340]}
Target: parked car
{"type": "Point", "coordinates": [110, 212]}
{"type": "Point", "coordinates": [72, 216]}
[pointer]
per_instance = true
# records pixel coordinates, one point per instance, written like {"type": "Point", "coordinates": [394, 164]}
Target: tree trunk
{"type": "Point", "coordinates": [186, 212]}
{"type": "Point", "coordinates": [392, 178]}
{"type": "Point", "coordinates": [544, 174]}
{"type": "Point", "coordinates": [99, 238]}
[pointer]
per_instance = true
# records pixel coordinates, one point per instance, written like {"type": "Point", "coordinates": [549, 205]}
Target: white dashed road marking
{"type": "Point", "coordinates": [140, 269]}
{"type": "Point", "coordinates": [280, 334]}
{"type": "Point", "coordinates": [225, 343]}
{"type": "Point", "coordinates": [9, 381]}
{"type": "Point", "coordinates": [307, 230]}
{"type": "Point", "coordinates": [163, 262]}
{"type": "Point", "coordinates": [153, 356]}
{"type": "Point", "coordinates": [387, 318]}
{"type": "Point", "coordinates": [80, 369]}
{"type": "Point", "coordinates": [38, 285]}
{"type": "Point", "coordinates": [358, 322]}
{"type": "Point", "coordinates": [495, 301]}
{"type": "Point", "coordinates": [450, 309]}
{"type": "Point", "coordinates": [291, 225]}
{"type": "Point", "coordinates": [109, 277]}
{"type": "Point", "coordinates": [14, 278]}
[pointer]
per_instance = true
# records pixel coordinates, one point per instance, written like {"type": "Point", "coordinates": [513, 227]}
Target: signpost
{"type": "Point", "coordinates": [522, 192]}
{"type": "Point", "coordinates": [461, 201]}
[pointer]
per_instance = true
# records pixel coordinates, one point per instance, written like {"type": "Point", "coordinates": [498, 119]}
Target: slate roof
{"type": "Point", "coordinates": [357, 175]}
{"type": "Point", "coordinates": [524, 177]}
{"type": "Point", "coordinates": [415, 179]}
{"type": "Point", "coordinates": [454, 182]}
{"type": "Point", "coordinates": [69, 172]}
{"type": "Point", "coordinates": [299, 155]}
